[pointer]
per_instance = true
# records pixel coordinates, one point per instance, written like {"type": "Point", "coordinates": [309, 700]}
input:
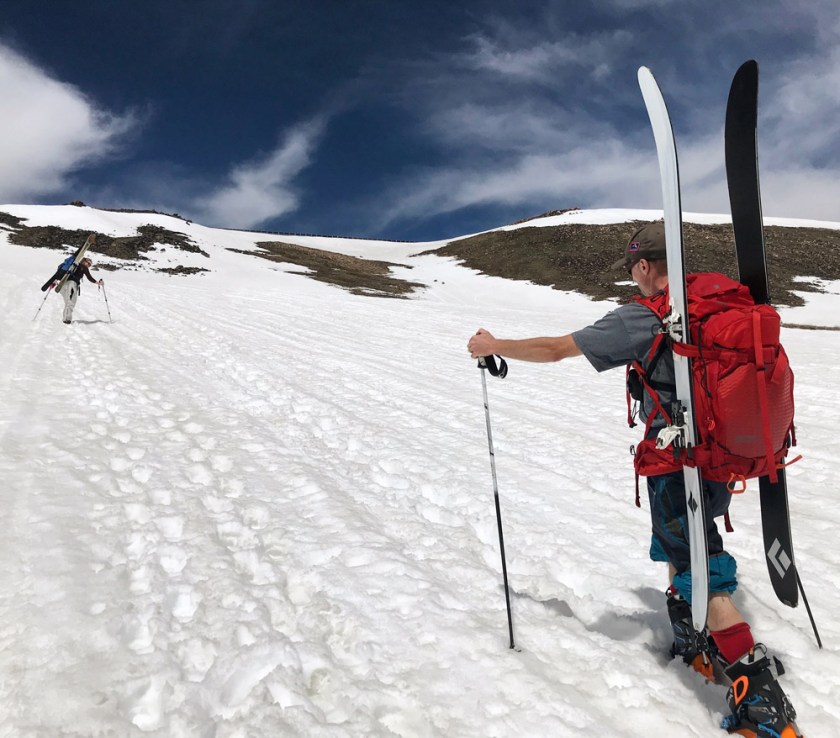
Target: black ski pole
{"type": "Point", "coordinates": [808, 608]}
{"type": "Point", "coordinates": [105, 295]}
{"type": "Point", "coordinates": [489, 363]}
{"type": "Point", "coordinates": [44, 300]}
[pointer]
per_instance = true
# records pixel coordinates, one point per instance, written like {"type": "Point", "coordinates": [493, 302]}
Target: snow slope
{"type": "Point", "coordinates": [256, 505]}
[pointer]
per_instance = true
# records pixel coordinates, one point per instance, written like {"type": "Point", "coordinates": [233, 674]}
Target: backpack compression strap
{"type": "Point", "coordinates": [761, 375]}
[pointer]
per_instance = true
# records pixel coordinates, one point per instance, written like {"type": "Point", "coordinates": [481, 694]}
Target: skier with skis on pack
{"type": "Point", "coordinates": [72, 287]}
{"type": "Point", "coordinates": [621, 338]}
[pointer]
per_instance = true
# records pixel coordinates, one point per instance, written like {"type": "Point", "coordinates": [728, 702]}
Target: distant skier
{"type": "Point", "coordinates": [620, 338]}
{"type": "Point", "coordinates": [72, 287]}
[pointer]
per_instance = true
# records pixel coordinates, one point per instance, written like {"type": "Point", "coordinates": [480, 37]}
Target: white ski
{"type": "Point", "coordinates": [682, 432]}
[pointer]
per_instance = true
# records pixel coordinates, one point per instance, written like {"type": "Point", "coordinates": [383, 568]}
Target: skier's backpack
{"type": "Point", "coordinates": [64, 267]}
{"type": "Point", "coordinates": [742, 385]}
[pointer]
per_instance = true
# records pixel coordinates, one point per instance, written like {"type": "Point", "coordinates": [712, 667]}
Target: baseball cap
{"type": "Point", "coordinates": [648, 242]}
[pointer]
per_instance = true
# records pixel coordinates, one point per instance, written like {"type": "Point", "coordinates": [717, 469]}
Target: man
{"type": "Point", "coordinates": [620, 338]}
{"type": "Point", "coordinates": [72, 287]}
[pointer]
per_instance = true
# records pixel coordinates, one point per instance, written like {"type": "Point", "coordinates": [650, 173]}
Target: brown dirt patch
{"type": "Point", "coordinates": [573, 257]}
{"type": "Point", "coordinates": [359, 276]}
{"type": "Point", "coordinates": [577, 257]}
{"type": "Point", "coordinates": [181, 270]}
{"type": "Point", "coordinates": [127, 248]}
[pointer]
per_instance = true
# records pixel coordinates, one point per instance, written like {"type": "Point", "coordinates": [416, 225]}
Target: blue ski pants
{"type": "Point", "coordinates": [669, 539]}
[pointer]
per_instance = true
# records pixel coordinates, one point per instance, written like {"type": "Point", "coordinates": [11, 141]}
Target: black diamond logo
{"type": "Point", "coordinates": [692, 503]}
{"type": "Point", "coordinates": [779, 558]}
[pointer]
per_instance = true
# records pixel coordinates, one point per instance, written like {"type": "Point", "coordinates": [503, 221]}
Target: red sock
{"type": "Point", "coordinates": [734, 641]}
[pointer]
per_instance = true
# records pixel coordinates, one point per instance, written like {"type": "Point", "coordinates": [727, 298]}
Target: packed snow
{"type": "Point", "coordinates": [252, 504]}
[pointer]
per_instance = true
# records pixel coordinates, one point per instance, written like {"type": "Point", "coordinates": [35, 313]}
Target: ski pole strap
{"type": "Point", "coordinates": [496, 370]}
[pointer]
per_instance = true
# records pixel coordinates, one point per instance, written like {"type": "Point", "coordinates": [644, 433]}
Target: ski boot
{"type": "Point", "coordinates": [696, 649]}
{"type": "Point", "coordinates": [760, 709]}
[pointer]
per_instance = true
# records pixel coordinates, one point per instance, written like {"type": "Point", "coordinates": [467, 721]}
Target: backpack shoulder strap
{"type": "Point", "coordinates": [658, 303]}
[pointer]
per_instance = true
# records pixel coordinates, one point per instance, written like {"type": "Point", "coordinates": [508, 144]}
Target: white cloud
{"type": "Point", "coordinates": [530, 58]}
{"type": "Point", "coordinates": [48, 129]}
{"type": "Point", "coordinates": [499, 128]}
{"type": "Point", "coordinates": [599, 173]}
{"type": "Point", "coordinates": [263, 188]}
{"type": "Point", "coordinates": [804, 115]}
{"type": "Point", "coordinates": [520, 120]}
{"type": "Point", "coordinates": [641, 4]}
{"type": "Point", "coordinates": [798, 192]}
{"type": "Point", "coordinates": [529, 63]}
{"type": "Point", "coordinates": [509, 112]}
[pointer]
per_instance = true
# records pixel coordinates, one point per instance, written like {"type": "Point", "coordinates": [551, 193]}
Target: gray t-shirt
{"type": "Point", "coordinates": [625, 335]}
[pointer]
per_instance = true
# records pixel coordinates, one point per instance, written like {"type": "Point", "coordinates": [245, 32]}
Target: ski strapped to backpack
{"type": "Point", "coordinates": [74, 262]}
{"type": "Point", "coordinates": [743, 386]}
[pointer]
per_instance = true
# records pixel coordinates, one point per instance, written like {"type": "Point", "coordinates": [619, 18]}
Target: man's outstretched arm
{"type": "Point", "coordinates": [483, 343]}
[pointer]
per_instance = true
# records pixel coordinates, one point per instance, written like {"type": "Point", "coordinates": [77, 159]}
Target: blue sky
{"type": "Point", "coordinates": [416, 121]}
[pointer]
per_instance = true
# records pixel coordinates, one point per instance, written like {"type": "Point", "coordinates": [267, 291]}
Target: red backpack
{"type": "Point", "coordinates": [742, 382]}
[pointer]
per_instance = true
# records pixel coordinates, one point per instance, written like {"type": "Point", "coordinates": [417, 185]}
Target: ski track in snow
{"type": "Point", "coordinates": [252, 512]}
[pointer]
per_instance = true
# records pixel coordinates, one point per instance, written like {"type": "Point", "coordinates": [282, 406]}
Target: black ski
{"type": "Point", "coordinates": [748, 226]}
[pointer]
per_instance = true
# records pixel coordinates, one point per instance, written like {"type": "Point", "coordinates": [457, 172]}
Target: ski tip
{"type": "Point", "coordinates": [742, 104]}
{"type": "Point", "coordinates": [747, 74]}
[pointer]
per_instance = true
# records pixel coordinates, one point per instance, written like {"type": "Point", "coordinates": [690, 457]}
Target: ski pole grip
{"type": "Point", "coordinates": [496, 370]}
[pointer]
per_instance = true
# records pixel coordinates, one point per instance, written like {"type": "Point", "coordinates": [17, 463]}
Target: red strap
{"type": "Point", "coordinates": [654, 396]}
{"type": "Point", "coordinates": [737, 484]}
{"type": "Point", "coordinates": [657, 405]}
{"type": "Point", "coordinates": [796, 458]}
{"type": "Point", "coordinates": [763, 401]}
{"type": "Point", "coordinates": [692, 351]}
{"type": "Point", "coordinates": [654, 346]}
{"type": "Point", "coordinates": [727, 520]}
{"type": "Point", "coordinates": [657, 409]}
{"type": "Point", "coordinates": [732, 355]}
